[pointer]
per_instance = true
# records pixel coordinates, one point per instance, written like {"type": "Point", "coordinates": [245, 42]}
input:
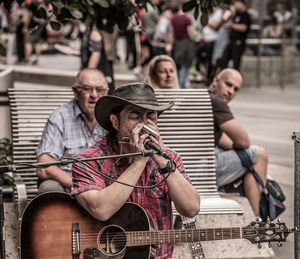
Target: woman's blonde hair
{"type": "Point", "coordinates": [151, 76]}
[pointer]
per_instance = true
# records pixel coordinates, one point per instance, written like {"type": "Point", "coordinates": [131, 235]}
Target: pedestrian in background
{"type": "Point", "coordinates": [183, 47]}
{"type": "Point", "coordinates": [239, 28]}
{"type": "Point", "coordinates": [33, 41]}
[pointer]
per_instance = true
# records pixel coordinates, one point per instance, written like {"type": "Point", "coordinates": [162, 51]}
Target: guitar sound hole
{"type": "Point", "coordinates": [111, 240]}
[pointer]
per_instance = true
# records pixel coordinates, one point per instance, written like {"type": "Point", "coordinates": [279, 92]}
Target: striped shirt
{"type": "Point", "coordinates": [156, 202]}
{"type": "Point", "coordinates": [67, 134]}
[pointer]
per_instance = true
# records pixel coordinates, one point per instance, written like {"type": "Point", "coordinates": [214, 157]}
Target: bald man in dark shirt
{"type": "Point", "coordinates": [230, 135]}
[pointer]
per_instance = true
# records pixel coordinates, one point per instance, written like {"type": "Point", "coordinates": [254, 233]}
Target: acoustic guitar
{"type": "Point", "coordinates": [55, 226]}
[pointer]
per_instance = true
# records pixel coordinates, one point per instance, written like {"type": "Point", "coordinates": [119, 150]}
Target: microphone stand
{"type": "Point", "coordinates": [2, 229]}
{"type": "Point", "coordinates": [64, 161]}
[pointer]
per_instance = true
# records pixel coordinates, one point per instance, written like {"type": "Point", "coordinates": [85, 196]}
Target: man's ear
{"type": "Point", "coordinates": [114, 121]}
{"type": "Point", "coordinates": [75, 92]}
{"type": "Point", "coordinates": [214, 84]}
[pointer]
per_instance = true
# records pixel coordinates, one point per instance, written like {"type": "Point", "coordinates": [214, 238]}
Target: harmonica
{"type": "Point", "coordinates": [146, 129]}
{"type": "Point", "coordinates": [149, 130]}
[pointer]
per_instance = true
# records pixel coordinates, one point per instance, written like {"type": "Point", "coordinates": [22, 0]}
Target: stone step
{"type": "Point", "coordinates": [227, 249]}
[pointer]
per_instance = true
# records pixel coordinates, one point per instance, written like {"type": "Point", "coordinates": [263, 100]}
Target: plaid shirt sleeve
{"type": "Point", "coordinates": [52, 139]}
{"type": "Point", "coordinates": [179, 164]}
{"type": "Point", "coordinates": [89, 175]}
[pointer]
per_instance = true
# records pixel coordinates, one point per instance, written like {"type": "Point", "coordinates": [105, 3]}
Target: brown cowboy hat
{"type": "Point", "coordinates": [139, 94]}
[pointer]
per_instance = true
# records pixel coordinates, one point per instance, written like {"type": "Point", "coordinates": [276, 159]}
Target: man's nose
{"type": "Point", "coordinates": [144, 118]}
{"type": "Point", "coordinates": [231, 90]}
{"type": "Point", "coordinates": [94, 93]}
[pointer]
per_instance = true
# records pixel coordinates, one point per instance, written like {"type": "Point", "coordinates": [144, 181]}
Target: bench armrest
{"type": "Point", "coordinates": [20, 196]}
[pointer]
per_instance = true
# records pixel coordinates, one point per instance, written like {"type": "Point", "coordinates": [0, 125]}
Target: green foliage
{"type": "Point", "coordinates": [102, 3]}
{"type": "Point", "coordinates": [74, 9]}
{"type": "Point", "coordinates": [6, 158]}
{"type": "Point", "coordinates": [204, 19]}
{"type": "Point", "coordinates": [2, 50]}
{"type": "Point", "coordinates": [56, 26]}
{"type": "Point", "coordinates": [37, 29]}
{"type": "Point", "coordinates": [196, 12]}
{"type": "Point", "coordinates": [105, 13]}
{"type": "Point", "coordinates": [42, 13]}
{"type": "Point", "coordinates": [188, 6]}
{"type": "Point", "coordinates": [58, 5]}
{"type": "Point", "coordinates": [206, 7]}
{"type": "Point", "coordinates": [5, 151]}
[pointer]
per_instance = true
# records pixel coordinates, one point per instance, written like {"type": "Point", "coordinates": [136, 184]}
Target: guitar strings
{"type": "Point", "coordinates": [156, 235]}
{"type": "Point", "coordinates": [183, 231]}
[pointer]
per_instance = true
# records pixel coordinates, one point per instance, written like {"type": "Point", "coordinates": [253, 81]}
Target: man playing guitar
{"type": "Point", "coordinates": [124, 115]}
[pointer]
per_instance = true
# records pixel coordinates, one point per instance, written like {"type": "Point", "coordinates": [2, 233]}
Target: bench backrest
{"type": "Point", "coordinates": [30, 109]}
{"type": "Point", "coordinates": [186, 128]}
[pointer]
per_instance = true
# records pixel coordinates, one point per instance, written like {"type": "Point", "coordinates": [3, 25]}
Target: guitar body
{"type": "Point", "coordinates": [51, 220]}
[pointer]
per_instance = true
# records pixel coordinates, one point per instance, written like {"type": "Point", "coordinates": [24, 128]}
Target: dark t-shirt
{"type": "Point", "coordinates": [222, 113]}
{"type": "Point", "coordinates": [180, 22]}
{"type": "Point", "coordinates": [240, 18]}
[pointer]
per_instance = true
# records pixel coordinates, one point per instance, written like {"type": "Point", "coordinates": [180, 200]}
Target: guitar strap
{"type": "Point", "coordinates": [245, 159]}
{"type": "Point", "coordinates": [246, 162]}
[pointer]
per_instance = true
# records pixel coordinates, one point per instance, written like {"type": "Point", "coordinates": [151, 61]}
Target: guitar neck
{"type": "Point", "coordinates": [139, 238]}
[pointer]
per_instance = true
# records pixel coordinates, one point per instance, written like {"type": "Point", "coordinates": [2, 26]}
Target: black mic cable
{"type": "Point", "coordinates": [151, 145]}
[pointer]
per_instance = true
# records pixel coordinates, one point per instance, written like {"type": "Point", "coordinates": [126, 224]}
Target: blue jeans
{"type": "Point", "coordinates": [183, 76]}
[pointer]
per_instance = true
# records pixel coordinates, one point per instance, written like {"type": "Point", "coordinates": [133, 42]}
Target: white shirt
{"type": "Point", "coordinates": [210, 34]}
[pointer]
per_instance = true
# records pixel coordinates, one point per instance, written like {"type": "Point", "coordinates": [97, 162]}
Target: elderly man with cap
{"type": "Point", "coordinates": [124, 114]}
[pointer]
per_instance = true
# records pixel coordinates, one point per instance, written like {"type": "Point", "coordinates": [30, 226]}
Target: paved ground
{"type": "Point", "coordinates": [269, 114]}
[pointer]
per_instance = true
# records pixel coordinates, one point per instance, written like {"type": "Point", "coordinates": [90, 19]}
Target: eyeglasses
{"type": "Point", "coordinates": [88, 89]}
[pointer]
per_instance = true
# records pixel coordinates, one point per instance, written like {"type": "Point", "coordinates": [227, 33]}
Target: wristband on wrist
{"type": "Point", "coordinates": [170, 168]}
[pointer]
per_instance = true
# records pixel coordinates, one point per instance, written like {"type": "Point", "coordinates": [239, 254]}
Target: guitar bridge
{"type": "Point", "coordinates": [76, 241]}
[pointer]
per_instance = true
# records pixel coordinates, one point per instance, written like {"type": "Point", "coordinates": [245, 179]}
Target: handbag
{"type": "Point", "coordinates": [271, 202]}
{"type": "Point", "coordinates": [274, 188]}
{"type": "Point", "coordinates": [269, 205]}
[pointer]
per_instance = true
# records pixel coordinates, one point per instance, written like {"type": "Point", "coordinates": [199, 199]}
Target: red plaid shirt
{"type": "Point", "coordinates": [156, 202]}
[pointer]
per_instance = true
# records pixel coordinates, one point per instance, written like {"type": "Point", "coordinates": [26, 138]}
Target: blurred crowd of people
{"type": "Point", "coordinates": [17, 26]}
{"type": "Point", "coordinates": [199, 52]}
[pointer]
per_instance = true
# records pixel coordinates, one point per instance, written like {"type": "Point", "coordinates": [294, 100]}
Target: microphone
{"type": "Point", "coordinates": [150, 145]}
